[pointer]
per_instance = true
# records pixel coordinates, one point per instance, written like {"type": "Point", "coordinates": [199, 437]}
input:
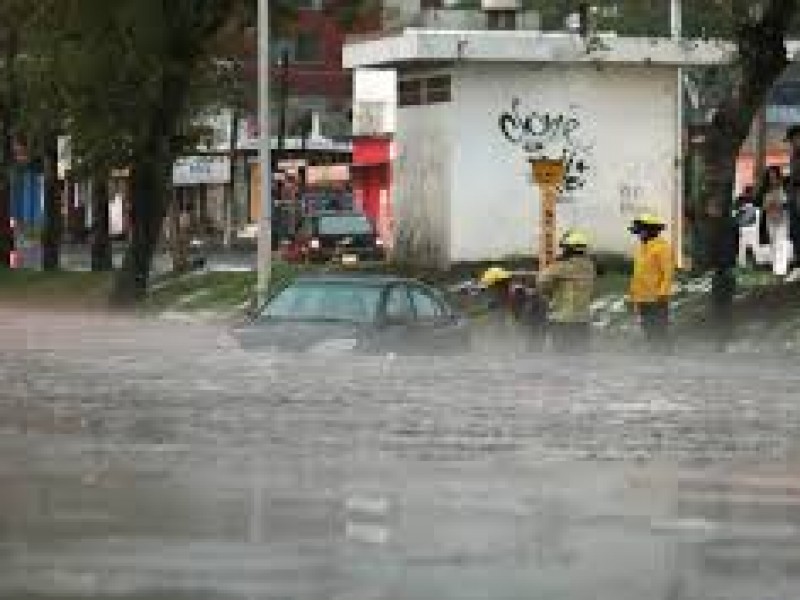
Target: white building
{"type": "Point", "coordinates": [475, 106]}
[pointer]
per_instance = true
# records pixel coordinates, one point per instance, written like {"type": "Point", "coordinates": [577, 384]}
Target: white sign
{"type": "Point", "coordinates": [201, 170]}
{"type": "Point", "coordinates": [217, 132]}
{"type": "Point", "coordinates": [64, 156]}
{"type": "Point", "coordinates": [374, 102]}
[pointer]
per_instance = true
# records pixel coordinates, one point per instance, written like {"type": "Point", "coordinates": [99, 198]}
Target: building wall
{"type": "Point", "coordinates": [422, 174]}
{"type": "Point", "coordinates": [316, 80]}
{"type": "Point", "coordinates": [617, 127]}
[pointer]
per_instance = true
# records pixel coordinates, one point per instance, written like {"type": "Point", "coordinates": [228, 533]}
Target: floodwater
{"type": "Point", "coordinates": [140, 460]}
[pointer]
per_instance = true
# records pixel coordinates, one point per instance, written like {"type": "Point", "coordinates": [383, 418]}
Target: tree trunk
{"type": "Point", "coordinates": [150, 182]}
{"type": "Point", "coordinates": [149, 207]}
{"type": "Point", "coordinates": [51, 235]}
{"type": "Point", "coordinates": [721, 233]}
{"type": "Point", "coordinates": [102, 258]}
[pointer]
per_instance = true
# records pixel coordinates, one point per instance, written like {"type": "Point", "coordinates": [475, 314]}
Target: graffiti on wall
{"type": "Point", "coordinates": [546, 134]}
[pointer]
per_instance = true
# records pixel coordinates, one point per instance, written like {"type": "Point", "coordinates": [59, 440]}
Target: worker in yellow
{"type": "Point", "coordinates": [651, 284]}
{"type": "Point", "coordinates": [569, 285]}
{"type": "Point", "coordinates": [512, 317]}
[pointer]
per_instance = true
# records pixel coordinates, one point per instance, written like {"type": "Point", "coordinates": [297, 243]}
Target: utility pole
{"type": "Point", "coordinates": [679, 207]}
{"type": "Point", "coordinates": [265, 156]}
{"type": "Point", "coordinates": [760, 162]}
{"type": "Point", "coordinates": [284, 102]}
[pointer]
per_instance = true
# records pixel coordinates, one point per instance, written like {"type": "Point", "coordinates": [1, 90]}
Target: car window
{"type": "Point", "coordinates": [426, 306]}
{"type": "Point", "coordinates": [344, 302]}
{"type": "Point", "coordinates": [398, 304]}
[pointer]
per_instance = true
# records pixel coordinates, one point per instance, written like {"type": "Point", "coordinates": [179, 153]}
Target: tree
{"type": "Point", "coordinates": [11, 16]}
{"type": "Point", "coordinates": [130, 95]}
{"type": "Point", "coordinates": [761, 58]}
{"type": "Point", "coordinates": [42, 109]}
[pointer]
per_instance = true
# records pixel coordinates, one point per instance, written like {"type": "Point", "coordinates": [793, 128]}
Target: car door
{"type": "Point", "coordinates": [437, 327]}
{"type": "Point", "coordinates": [397, 320]}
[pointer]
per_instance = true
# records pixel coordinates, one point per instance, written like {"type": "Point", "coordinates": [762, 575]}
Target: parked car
{"type": "Point", "coordinates": [327, 201]}
{"type": "Point", "coordinates": [346, 237]}
{"type": "Point", "coordinates": [337, 313]}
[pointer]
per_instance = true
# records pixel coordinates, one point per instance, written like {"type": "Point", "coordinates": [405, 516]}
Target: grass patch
{"type": "Point", "coordinates": [56, 289]}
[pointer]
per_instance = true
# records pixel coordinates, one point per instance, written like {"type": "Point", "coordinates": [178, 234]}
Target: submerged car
{"type": "Point", "coordinates": [345, 237]}
{"type": "Point", "coordinates": [356, 314]}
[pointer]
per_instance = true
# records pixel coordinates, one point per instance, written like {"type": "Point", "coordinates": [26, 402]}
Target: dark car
{"type": "Point", "coordinates": [346, 237]}
{"type": "Point", "coordinates": [356, 314]}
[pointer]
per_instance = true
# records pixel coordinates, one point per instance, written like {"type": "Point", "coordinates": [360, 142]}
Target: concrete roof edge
{"type": "Point", "coordinates": [425, 45]}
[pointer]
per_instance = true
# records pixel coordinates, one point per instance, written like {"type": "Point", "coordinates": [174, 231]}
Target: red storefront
{"type": "Point", "coordinates": [372, 181]}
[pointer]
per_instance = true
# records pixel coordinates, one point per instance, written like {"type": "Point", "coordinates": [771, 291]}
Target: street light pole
{"type": "Point", "coordinates": [265, 156]}
{"type": "Point", "coordinates": [676, 18]}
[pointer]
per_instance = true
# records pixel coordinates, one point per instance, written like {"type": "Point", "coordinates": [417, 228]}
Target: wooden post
{"type": "Point", "coordinates": [548, 175]}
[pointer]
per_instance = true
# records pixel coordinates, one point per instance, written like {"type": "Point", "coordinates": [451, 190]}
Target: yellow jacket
{"type": "Point", "coordinates": [653, 272]}
{"type": "Point", "coordinates": [569, 285]}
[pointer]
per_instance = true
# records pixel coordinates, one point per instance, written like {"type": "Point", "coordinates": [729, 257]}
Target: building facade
{"type": "Point", "coordinates": [474, 107]}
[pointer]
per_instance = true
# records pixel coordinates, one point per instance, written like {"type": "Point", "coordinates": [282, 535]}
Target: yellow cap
{"type": "Point", "coordinates": [495, 275]}
{"type": "Point", "coordinates": [575, 239]}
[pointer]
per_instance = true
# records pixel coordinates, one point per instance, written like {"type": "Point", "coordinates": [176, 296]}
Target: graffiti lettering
{"type": "Point", "coordinates": [517, 128]}
{"type": "Point", "coordinates": [545, 134]}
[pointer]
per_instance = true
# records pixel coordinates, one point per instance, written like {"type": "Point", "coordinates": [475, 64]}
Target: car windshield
{"type": "Point", "coordinates": [318, 201]}
{"type": "Point", "coordinates": [345, 302]}
{"type": "Point", "coordinates": [344, 225]}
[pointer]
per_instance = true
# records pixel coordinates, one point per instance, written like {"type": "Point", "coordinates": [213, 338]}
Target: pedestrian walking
{"type": "Point", "coordinates": [651, 283]}
{"type": "Point", "coordinates": [775, 214]}
{"type": "Point", "coordinates": [569, 284]}
{"type": "Point", "coordinates": [748, 218]}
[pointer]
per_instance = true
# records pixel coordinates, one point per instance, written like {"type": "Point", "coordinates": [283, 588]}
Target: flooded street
{"type": "Point", "coordinates": [140, 460]}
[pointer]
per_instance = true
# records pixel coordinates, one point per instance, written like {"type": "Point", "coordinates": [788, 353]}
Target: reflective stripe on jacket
{"type": "Point", "coordinates": [653, 272]}
{"type": "Point", "coordinates": [569, 284]}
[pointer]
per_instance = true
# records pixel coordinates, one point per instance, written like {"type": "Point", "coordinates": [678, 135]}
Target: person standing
{"type": "Point", "coordinates": [775, 214]}
{"type": "Point", "coordinates": [510, 317]}
{"type": "Point", "coordinates": [747, 219]}
{"type": "Point", "coordinates": [569, 283]}
{"type": "Point", "coordinates": [651, 283]}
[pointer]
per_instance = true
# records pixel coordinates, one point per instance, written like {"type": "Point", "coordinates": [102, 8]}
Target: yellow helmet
{"type": "Point", "coordinates": [495, 275]}
{"type": "Point", "coordinates": [575, 239]}
{"type": "Point", "coordinates": [647, 220]}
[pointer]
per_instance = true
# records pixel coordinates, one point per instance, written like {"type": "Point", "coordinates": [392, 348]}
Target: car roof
{"type": "Point", "coordinates": [337, 213]}
{"type": "Point", "coordinates": [360, 279]}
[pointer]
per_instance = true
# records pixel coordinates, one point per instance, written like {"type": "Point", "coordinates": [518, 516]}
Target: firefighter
{"type": "Point", "coordinates": [510, 318]}
{"type": "Point", "coordinates": [651, 284]}
{"type": "Point", "coordinates": [497, 281]}
{"type": "Point", "coordinates": [569, 284]}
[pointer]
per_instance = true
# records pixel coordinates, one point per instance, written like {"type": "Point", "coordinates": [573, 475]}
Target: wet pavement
{"type": "Point", "coordinates": [141, 460]}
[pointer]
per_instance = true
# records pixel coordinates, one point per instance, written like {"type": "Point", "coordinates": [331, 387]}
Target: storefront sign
{"type": "Point", "coordinates": [201, 170]}
{"type": "Point", "coordinates": [327, 174]}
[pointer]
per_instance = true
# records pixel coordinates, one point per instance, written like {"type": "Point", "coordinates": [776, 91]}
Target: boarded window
{"type": "Point", "coordinates": [409, 92]}
{"type": "Point", "coordinates": [438, 89]}
{"type": "Point", "coordinates": [417, 92]}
